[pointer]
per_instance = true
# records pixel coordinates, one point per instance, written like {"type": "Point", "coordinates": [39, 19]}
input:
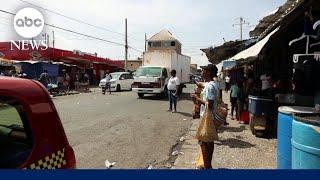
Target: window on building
{"type": "Point", "coordinates": [173, 43]}
{"type": "Point", "coordinates": [166, 44]}
{"type": "Point", "coordinates": [156, 44]}
{"type": "Point", "coordinates": [149, 44]}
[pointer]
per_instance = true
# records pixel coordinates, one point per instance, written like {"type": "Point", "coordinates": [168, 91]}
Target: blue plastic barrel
{"type": "Point", "coordinates": [306, 142]}
{"type": "Point", "coordinates": [285, 118]}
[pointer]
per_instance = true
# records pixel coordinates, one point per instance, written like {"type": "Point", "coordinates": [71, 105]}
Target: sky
{"type": "Point", "coordinates": [196, 24]}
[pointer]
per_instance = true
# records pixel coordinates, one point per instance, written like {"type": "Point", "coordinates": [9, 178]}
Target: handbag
{"type": "Point", "coordinates": [220, 114]}
{"type": "Point", "coordinates": [207, 131]}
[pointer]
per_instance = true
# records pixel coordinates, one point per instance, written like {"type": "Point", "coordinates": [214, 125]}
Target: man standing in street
{"type": "Point", "coordinates": [173, 87]}
{"type": "Point", "coordinates": [44, 78]}
{"type": "Point", "coordinates": [108, 83]}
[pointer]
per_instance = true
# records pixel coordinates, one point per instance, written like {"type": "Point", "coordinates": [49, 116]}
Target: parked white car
{"type": "Point", "coordinates": [120, 81]}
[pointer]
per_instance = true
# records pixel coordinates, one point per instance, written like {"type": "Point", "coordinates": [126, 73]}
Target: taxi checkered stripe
{"type": "Point", "coordinates": [54, 161]}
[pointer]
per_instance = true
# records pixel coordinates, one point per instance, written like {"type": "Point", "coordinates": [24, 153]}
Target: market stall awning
{"type": "Point", "coordinates": [217, 54]}
{"type": "Point", "coordinates": [254, 50]}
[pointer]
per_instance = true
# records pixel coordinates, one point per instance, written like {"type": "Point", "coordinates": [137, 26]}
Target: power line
{"type": "Point", "coordinates": [7, 12]}
{"type": "Point", "coordinates": [78, 33]}
{"type": "Point", "coordinates": [85, 35]}
{"type": "Point", "coordinates": [71, 18]}
{"type": "Point", "coordinates": [76, 20]}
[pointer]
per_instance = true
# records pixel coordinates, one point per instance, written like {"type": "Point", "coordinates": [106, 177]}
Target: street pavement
{"type": "Point", "coordinates": [121, 128]}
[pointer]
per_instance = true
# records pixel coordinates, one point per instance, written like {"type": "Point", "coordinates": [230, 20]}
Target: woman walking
{"type": "Point", "coordinates": [173, 87]}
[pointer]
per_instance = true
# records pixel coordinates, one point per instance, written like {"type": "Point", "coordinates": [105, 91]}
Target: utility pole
{"type": "Point", "coordinates": [145, 42]}
{"type": "Point", "coordinates": [52, 45]}
{"type": "Point", "coordinates": [126, 46]}
{"type": "Point", "coordinates": [242, 22]}
{"type": "Point", "coordinates": [48, 40]}
{"type": "Point", "coordinates": [145, 48]}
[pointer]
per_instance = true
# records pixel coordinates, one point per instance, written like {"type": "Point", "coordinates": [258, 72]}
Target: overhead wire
{"type": "Point", "coordinates": [74, 19]}
{"type": "Point", "coordinates": [78, 33]}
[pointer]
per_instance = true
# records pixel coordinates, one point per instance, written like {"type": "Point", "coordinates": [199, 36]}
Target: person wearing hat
{"type": "Point", "coordinates": [208, 96]}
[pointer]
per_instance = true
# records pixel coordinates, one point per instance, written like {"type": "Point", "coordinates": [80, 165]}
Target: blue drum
{"type": "Point", "coordinates": [306, 142]}
{"type": "Point", "coordinates": [285, 118]}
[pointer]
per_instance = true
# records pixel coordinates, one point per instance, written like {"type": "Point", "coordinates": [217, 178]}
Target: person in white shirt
{"type": "Point", "coordinates": [108, 83]}
{"type": "Point", "coordinates": [173, 86]}
{"type": "Point", "coordinates": [266, 81]}
{"type": "Point", "coordinates": [266, 88]}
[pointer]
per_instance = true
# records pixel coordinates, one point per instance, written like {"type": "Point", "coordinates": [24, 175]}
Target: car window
{"type": "Point", "coordinates": [148, 71]}
{"type": "Point", "coordinates": [15, 134]}
{"type": "Point", "coordinates": [9, 115]}
{"type": "Point", "coordinates": [128, 76]}
{"type": "Point", "coordinates": [115, 75]}
{"type": "Point", "coordinates": [122, 77]}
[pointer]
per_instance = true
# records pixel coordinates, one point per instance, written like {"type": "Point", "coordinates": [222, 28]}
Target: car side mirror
{"type": "Point", "coordinates": [122, 78]}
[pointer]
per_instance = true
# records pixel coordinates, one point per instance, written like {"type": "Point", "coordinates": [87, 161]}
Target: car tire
{"type": "Point", "coordinates": [118, 88]}
{"type": "Point", "coordinates": [140, 95]}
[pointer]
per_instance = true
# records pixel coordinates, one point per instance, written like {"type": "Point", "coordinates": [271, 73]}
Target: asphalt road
{"type": "Point", "coordinates": [121, 128]}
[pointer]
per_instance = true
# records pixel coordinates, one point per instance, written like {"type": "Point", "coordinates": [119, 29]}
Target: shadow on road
{"type": "Point", "coordinates": [233, 129]}
{"type": "Point", "coordinates": [185, 114]}
{"type": "Point", "coordinates": [183, 96]}
{"type": "Point", "coordinates": [235, 143]}
{"type": "Point", "coordinates": [153, 98]}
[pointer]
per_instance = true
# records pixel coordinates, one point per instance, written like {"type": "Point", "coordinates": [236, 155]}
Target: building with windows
{"type": "Point", "coordinates": [164, 41]}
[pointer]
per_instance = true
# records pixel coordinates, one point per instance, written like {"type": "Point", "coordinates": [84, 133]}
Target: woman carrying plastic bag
{"type": "Point", "coordinates": [207, 132]}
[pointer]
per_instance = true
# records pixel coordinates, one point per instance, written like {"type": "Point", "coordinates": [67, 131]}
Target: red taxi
{"type": "Point", "coordinates": [31, 133]}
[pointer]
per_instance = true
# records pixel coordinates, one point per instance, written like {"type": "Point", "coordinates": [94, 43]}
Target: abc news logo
{"type": "Point", "coordinates": [29, 23]}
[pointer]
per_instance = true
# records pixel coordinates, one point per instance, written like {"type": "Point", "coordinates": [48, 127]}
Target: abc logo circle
{"type": "Point", "coordinates": [28, 22]}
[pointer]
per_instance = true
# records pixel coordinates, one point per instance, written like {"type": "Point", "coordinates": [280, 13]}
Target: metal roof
{"type": "Point", "coordinates": [271, 21]}
{"type": "Point", "coordinates": [254, 50]}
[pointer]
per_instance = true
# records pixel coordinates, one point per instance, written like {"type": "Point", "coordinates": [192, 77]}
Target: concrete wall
{"type": "Point", "coordinates": [134, 65]}
{"type": "Point", "coordinates": [164, 45]}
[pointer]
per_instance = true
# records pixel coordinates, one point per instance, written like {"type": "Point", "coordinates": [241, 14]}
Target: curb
{"type": "Point", "coordinates": [190, 149]}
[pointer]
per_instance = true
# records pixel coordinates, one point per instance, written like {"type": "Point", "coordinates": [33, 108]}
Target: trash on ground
{"type": "Point", "coordinates": [182, 139]}
{"type": "Point", "coordinates": [108, 164]}
{"type": "Point", "coordinates": [175, 153]}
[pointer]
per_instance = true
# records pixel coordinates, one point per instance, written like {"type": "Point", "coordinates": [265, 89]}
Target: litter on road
{"type": "Point", "coordinates": [175, 153]}
{"type": "Point", "coordinates": [182, 139]}
{"type": "Point", "coordinates": [108, 164]}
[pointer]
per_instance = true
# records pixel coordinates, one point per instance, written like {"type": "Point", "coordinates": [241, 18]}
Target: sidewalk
{"type": "Point", "coordinates": [237, 148]}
